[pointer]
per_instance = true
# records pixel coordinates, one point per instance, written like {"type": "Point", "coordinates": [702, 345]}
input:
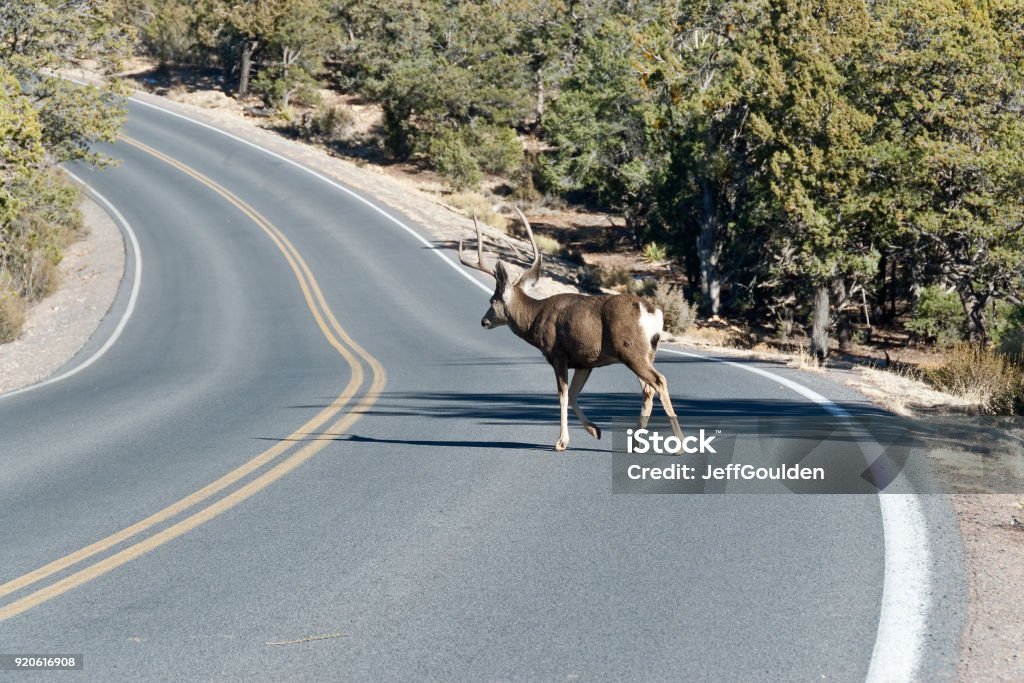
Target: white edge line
{"type": "Point", "coordinates": [126, 230]}
{"type": "Point", "coordinates": [899, 639]}
{"type": "Point", "coordinates": [905, 597]}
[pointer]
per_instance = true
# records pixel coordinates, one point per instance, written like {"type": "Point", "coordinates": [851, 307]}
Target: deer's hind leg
{"type": "Point", "coordinates": [648, 405]}
{"type": "Point", "coordinates": [579, 378]}
{"type": "Point", "coordinates": [652, 381]}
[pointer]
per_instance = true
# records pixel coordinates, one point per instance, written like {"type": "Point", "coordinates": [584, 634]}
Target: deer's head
{"type": "Point", "coordinates": [507, 287]}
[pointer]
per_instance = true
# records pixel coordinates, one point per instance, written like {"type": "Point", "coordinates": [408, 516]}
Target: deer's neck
{"type": "Point", "coordinates": [522, 310]}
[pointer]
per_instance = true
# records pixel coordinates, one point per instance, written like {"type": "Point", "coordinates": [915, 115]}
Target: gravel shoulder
{"type": "Point", "coordinates": [993, 535]}
{"type": "Point", "coordinates": [59, 326]}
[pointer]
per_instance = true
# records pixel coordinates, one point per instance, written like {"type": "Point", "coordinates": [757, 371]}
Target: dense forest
{"type": "Point", "coordinates": [809, 165]}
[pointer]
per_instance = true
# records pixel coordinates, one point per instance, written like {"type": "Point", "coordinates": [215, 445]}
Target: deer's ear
{"type": "Point", "coordinates": [501, 275]}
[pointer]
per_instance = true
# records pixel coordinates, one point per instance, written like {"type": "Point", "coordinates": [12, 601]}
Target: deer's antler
{"type": "Point", "coordinates": [533, 272]}
{"type": "Point", "coordinates": [479, 265]}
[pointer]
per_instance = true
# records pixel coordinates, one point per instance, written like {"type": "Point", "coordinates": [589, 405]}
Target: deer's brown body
{"type": "Point", "coordinates": [578, 332]}
{"type": "Point", "coordinates": [563, 328]}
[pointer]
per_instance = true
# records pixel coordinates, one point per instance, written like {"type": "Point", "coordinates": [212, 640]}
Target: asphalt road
{"type": "Point", "coordinates": [405, 517]}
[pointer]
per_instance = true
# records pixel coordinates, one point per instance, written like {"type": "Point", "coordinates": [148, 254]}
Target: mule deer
{"type": "Point", "coordinates": [578, 332]}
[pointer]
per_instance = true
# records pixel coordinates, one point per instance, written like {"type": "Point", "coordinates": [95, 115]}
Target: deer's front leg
{"type": "Point", "coordinates": [579, 378]}
{"type": "Point", "coordinates": [562, 377]}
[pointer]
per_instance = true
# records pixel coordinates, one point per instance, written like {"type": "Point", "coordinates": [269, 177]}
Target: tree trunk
{"type": "Point", "coordinates": [708, 251]}
{"type": "Point", "coordinates": [844, 331]}
{"type": "Point", "coordinates": [539, 111]}
{"type": "Point", "coordinates": [844, 327]}
{"type": "Point", "coordinates": [245, 67]}
{"type": "Point", "coordinates": [882, 287]}
{"type": "Point", "coordinates": [892, 293]}
{"type": "Point", "coordinates": [974, 311]}
{"type": "Point", "coordinates": [785, 323]}
{"type": "Point", "coordinates": [819, 331]}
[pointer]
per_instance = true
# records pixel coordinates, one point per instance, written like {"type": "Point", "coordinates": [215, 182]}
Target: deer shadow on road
{"type": "Point", "coordinates": [513, 411]}
{"type": "Point", "coordinates": [453, 443]}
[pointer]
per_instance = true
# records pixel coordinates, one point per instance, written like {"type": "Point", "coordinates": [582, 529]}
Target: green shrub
{"type": "Point", "coordinates": [169, 35]}
{"type": "Point", "coordinates": [679, 315]}
{"type": "Point", "coordinates": [462, 156]}
{"type": "Point", "coordinates": [939, 317]}
{"type": "Point", "coordinates": [654, 252]}
{"type": "Point", "coordinates": [1008, 331]}
{"type": "Point", "coordinates": [449, 154]}
{"type": "Point", "coordinates": [524, 189]}
{"type": "Point", "coordinates": [306, 94]}
{"type": "Point", "coordinates": [497, 150]}
{"type": "Point", "coordinates": [983, 376]}
{"type": "Point", "coordinates": [280, 89]}
{"type": "Point", "coordinates": [328, 123]}
{"type": "Point", "coordinates": [1012, 344]}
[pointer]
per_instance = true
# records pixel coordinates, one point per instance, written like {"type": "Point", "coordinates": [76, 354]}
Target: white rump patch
{"type": "Point", "coordinates": [651, 323]}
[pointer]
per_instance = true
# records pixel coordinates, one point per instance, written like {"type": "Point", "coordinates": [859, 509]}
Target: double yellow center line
{"type": "Point", "coordinates": [335, 335]}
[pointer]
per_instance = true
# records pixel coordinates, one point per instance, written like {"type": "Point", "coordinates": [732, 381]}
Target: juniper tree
{"type": "Point", "coordinates": [947, 157]}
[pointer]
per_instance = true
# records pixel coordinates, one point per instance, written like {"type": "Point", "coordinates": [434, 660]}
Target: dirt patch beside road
{"type": "Point", "coordinates": [993, 644]}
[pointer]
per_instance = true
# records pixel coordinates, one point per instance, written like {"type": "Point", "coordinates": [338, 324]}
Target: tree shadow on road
{"type": "Point", "coordinates": [542, 408]}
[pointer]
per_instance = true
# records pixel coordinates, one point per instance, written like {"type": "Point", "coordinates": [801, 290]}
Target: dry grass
{"type": "Point", "coordinates": [804, 360]}
{"type": "Point", "coordinates": [980, 376]}
{"type": "Point", "coordinates": [12, 316]}
{"type": "Point", "coordinates": [729, 339]}
{"type": "Point", "coordinates": [965, 380]}
{"type": "Point", "coordinates": [617, 280]}
{"type": "Point", "coordinates": [601, 278]}
{"type": "Point", "coordinates": [904, 393]}
{"type": "Point", "coordinates": [41, 277]}
{"type": "Point", "coordinates": [469, 203]}
{"type": "Point", "coordinates": [548, 246]}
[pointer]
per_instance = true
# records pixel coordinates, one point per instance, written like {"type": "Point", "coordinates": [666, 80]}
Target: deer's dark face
{"type": "Point", "coordinates": [497, 314]}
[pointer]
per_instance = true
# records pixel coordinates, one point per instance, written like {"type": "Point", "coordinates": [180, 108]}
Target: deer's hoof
{"type": "Point", "coordinates": [594, 431]}
{"type": "Point", "coordinates": [561, 445]}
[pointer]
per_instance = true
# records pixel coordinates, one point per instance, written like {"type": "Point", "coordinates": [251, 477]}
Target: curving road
{"type": "Point", "coordinates": [303, 459]}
